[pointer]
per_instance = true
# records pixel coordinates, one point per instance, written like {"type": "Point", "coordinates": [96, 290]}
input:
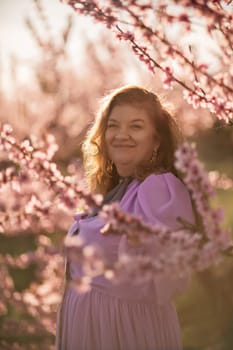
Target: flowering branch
{"type": "Point", "coordinates": [199, 185]}
{"type": "Point", "coordinates": [33, 161]}
{"type": "Point", "coordinates": [204, 89]}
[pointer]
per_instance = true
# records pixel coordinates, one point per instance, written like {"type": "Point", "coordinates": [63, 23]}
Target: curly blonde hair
{"type": "Point", "coordinates": [100, 177]}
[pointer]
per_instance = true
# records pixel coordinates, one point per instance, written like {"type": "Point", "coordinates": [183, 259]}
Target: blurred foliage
{"type": "Point", "coordinates": [215, 147]}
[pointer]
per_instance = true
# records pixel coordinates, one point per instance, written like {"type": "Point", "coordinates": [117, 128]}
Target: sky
{"type": "Point", "coordinates": [13, 35]}
{"type": "Point", "coordinates": [15, 38]}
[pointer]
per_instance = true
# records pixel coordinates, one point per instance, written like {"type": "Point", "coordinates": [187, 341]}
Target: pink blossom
{"type": "Point", "coordinates": [201, 190]}
{"type": "Point", "coordinates": [126, 36]}
{"type": "Point", "coordinates": [168, 79]}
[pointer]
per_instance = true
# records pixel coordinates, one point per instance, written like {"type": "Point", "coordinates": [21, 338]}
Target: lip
{"type": "Point", "coordinates": [123, 146]}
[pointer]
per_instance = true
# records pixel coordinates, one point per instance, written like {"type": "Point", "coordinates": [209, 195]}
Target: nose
{"type": "Point", "coordinates": [122, 134]}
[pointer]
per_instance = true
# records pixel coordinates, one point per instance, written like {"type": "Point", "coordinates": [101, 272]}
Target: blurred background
{"type": "Point", "coordinates": [54, 67]}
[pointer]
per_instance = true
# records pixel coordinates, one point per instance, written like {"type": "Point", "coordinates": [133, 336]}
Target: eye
{"type": "Point", "coordinates": [111, 126]}
{"type": "Point", "coordinates": [136, 126]}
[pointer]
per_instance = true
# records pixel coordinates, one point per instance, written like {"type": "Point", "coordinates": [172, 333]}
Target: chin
{"type": "Point", "coordinates": [121, 174]}
{"type": "Point", "coordinates": [124, 170]}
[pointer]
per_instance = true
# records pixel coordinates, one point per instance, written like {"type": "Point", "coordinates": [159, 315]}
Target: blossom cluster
{"type": "Point", "coordinates": [39, 300]}
{"type": "Point", "coordinates": [220, 181]}
{"type": "Point", "coordinates": [199, 185]}
{"type": "Point", "coordinates": [131, 22]}
{"type": "Point", "coordinates": [31, 163]}
{"type": "Point", "coordinates": [146, 252]}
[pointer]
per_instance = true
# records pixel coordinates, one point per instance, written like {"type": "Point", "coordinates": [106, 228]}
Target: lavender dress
{"type": "Point", "coordinates": [127, 316]}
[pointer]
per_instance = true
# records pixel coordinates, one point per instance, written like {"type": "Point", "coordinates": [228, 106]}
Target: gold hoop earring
{"type": "Point", "coordinates": [153, 157]}
{"type": "Point", "coordinates": [109, 167]}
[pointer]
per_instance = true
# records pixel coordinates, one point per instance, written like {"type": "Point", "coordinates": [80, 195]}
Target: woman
{"type": "Point", "coordinates": [128, 156]}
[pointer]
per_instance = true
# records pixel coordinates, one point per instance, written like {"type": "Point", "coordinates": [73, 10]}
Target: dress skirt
{"type": "Point", "coordinates": [95, 320]}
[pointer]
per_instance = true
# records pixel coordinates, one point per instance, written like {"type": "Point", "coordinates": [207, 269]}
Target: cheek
{"type": "Point", "coordinates": [149, 143]}
{"type": "Point", "coordinates": [107, 138]}
{"type": "Point", "coordinates": [149, 138]}
{"type": "Point", "coordinates": [107, 142]}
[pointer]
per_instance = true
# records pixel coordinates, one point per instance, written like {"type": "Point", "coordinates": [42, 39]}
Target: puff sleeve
{"type": "Point", "coordinates": [162, 199]}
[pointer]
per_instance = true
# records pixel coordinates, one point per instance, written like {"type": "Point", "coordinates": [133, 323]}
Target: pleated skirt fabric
{"type": "Point", "coordinates": [96, 320]}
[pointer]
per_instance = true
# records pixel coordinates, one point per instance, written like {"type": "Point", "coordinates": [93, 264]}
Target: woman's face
{"type": "Point", "coordinates": [130, 138]}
